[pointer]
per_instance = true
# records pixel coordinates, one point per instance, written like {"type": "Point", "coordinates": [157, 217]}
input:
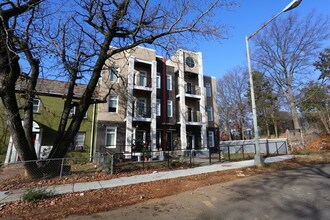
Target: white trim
{"type": "Point", "coordinates": [158, 107]}
{"type": "Point", "coordinates": [208, 89]}
{"type": "Point", "coordinates": [116, 76]}
{"type": "Point", "coordinates": [209, 113]}
{"type": "Point", "coordinates": [169, 107]}
{"type": "Point", "coordinates": [158, 81]}
{"type": "Point", "coordinates": [38, 106]}
{"type": "Point", "coordinates": [169, 85]}
{"type": "Point", "coordinates": [210, 139]}
{"type": "Point", "coordinates": [116, 103]}
{"type": "Point", "coordinates": [115, 137]}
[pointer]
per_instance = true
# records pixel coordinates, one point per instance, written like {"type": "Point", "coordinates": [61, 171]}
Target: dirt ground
{"type": "Point", "coordinates": [95, 201]}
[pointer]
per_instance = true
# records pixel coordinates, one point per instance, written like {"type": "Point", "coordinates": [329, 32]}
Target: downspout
{"type": "Point", "coordinates": [93, 133]}
{"type": "Point", "coordinates": [164, 104]}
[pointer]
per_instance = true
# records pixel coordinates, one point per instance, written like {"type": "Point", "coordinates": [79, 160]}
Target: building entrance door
{"type": "Point", "coordinates": [191, 142]}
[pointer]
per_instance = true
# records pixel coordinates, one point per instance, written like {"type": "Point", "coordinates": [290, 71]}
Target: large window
{"type": "Point", "coordinates": [211, 138]}
{"type": "Point", "coordinates": [210, 113]}
{"type": "Point", "coordinates": [114, 71]}
{"type": "Point", "coordinates": [169, 108]}
{"type": "Point", "coordinates": [158, 107]}
{"type": "Point", "coordinates": [113, 103]}
{"type": "Point", "coordinates": [208, 90]}
{"type": "Point", "coordinates": [158, 81]}
{"type": "Point", "coordinates": [111, 135]}
{"type": "Point", "coordinates": [169, 82]}
{"type": "Point", "coordinates": [36, 104]}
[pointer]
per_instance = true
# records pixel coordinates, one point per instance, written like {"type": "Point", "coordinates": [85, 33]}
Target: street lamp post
{"type": "Point", "coordinates": [257, 158]}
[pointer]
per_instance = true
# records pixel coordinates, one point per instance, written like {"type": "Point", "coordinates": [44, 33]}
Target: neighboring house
{"type": "Point", "coordinates": [47, 109]}
{"type": "Point", "coordinates": [164, 105]}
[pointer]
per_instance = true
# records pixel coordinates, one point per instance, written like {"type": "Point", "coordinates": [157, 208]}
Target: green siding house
{"type": "Point", "coordinates": [47, 109]}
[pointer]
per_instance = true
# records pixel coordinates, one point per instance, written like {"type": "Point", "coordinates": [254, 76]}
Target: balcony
{"type": "Point", "coordinates": [192, 91]}
{"type": "Point", "coordinates": [193, 118]}
{"type": "Point", "coordinates": [142, 82]}
{"type": "Point", "coordinates": [142, 113]}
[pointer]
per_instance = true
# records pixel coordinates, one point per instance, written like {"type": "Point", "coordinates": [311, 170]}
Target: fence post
{"type": "Point", "coordinates": [228, 152]}
{"type": "Point", "coordinates": [243, 151]}
{"type": "Point", "coordinates": [190, 157]}
{"type": "Point", "coordinates": [112, 164]}
{"type": "Point", "coordinates": [210, 156]}
{"type": "Point", "coordinates": [62, 164]}
{"type": "Point", "coordinates": [276, 148]}
{"type": "Point", "coordinates": [168, 158]}
{"type": "Point", "coordinates": [219, 154]}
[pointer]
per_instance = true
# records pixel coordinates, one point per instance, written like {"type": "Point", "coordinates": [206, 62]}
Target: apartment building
{"type": "Point", "coordinates": [162, 104]}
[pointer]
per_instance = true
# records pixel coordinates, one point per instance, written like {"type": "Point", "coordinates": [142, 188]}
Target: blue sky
{"type": "Point", "coordinates": [218, 58]}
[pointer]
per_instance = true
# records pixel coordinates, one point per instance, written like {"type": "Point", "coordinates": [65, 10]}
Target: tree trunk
{"type": "Point", "coordinates": [275, 124]}
{"type": "Point", "coordinates": [293, 109]}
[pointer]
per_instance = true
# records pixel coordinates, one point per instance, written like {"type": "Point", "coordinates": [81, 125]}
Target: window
{"type": "Point", "coordinates": [111, 135]}
{"type": "Point", "coordinates": [158, 106]}
{"type": "Point", "coordinates": [141, 107]}
{"type": "Point", "coordinates": [73, 112]}
{"type": "Point", "coordinates": [36, 104]}
{"type": "Point", "coordinates": [169, 108]}
{"type": "Point", "coordinates": [142, 78]}
{"type": "Point", "coordinates": [113, 74]}
{"type": "Point", "coordinates": [79, 141]}
{"type": "Point", "coordinates": [208, 89]}
{"type": "Point", "coordinates": [169, 82]}
{"type": "Point", "coordinates": [210, 113]}
{"type": "Point", "coordinates": [113, 101]}
{"type": "Point", "coordinates": [211, 139]}
{"type": "Point", "coordinates": [158, 81]}
{"type": "Point", "coordinates": [190, 62]}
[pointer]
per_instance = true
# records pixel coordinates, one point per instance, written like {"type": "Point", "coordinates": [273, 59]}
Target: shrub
{"type": "Point", "coordinates": [36, 194]}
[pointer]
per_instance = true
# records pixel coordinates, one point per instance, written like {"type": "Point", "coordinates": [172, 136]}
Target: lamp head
{"type": "Point", "coordinates": [292, 5]}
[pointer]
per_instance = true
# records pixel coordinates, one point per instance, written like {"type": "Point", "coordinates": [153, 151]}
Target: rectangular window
{"type": "Point", "coordinates": [208, 90]}
{"type": "Point", "coordinates": [111, 135]}
{"type": "Point", "coordinates": [142, 78]}
{"type": "Point", "coordinates": [211, 139]}
{"type": "Point", "coordinates": [158, 107]}
{"type": "Point", "coordinates": [113, 74]}
{"type": "Point", "coordinates": [141, 107]}
{"type": "Point", "coordinates": [79, 141]}
{"type": "Point", "coordinates": [169, 82]}
{"type": "Point", "coordinates": [113, 103]}
{"type": "Point", "coordinates": [169, 108]}
{"type": "Point", "coordinates": [36, 104]}
{"type": "Point", "coordinates": [158, 81]}
{"type": "Point", "coordinates": [210, 113]}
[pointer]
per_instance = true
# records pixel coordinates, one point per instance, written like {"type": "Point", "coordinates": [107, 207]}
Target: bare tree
{"type": "Point", "coordinates": [81, 36]}
{"type": "Point", "coordinates": [287, 49]}
{"type": "Point", "coordinates": [232, 101]}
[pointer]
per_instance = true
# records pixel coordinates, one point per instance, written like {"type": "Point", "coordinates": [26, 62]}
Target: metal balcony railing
{"type": "Point", "coordinates": [142, 112]}
{"type": "Point", "coordinates": [193, 117]}
{"type": "Point", "coordinates": [142, 81]}
{"type": "Point", "coordinates": [192, 89]}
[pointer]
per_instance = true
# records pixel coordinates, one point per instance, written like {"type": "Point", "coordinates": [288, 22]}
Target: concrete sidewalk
{"type": "Point", "coordinates": [13, 195]}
